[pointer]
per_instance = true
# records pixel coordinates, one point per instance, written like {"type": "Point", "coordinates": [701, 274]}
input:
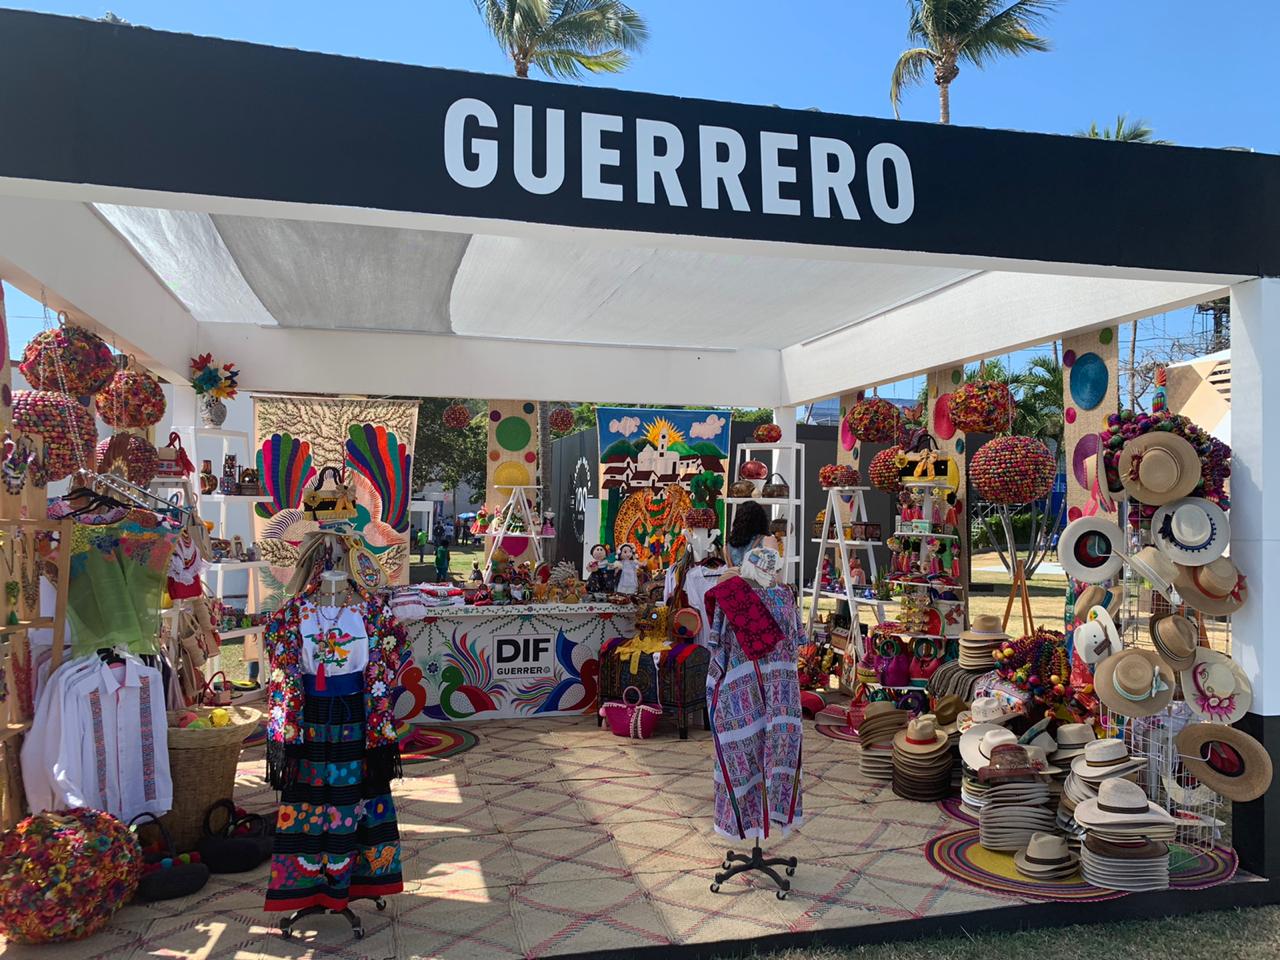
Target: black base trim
{"type": "Point", "coordinates": [1152, 905]}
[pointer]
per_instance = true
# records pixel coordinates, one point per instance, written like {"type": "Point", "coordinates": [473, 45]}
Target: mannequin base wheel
{"type": "Point", "coordinates": [736, 863]}
{"type": "Point", "coordinates": [357, 928]}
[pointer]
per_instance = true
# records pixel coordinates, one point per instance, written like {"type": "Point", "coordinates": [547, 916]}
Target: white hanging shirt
{"type": "Point", "coordinates": [105, 740]}
{"type": "Point", "coordinates": [334, 636]}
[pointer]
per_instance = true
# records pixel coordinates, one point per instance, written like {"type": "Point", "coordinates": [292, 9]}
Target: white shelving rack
{"type": "Point", "coordinates": [788, 462]}
{"type": "Point", "coordinates": [518, 505]}
{"type": "Point", "coordinates": [833, 538]}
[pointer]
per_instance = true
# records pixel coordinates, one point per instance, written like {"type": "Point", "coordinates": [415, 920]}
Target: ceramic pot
{"type": "Point", "coordinates": [212, 411]}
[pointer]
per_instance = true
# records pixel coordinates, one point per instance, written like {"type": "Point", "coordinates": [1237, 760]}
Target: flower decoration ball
{"type": "Point", "coordinates": [133, 398]}
{"type": "Point", "coordinates": [68, 358]}
{"type": "Point", "coordinates": [1013, 470]}
{"type": "Point", "coordinates": [875, 420]}
{"type": "Point", "coordinates": [63, 874]}
{"type": "Point", "coordinates": [982, 406]}
{"type": "Point", "coordinates": [884, 471]}
{"type": "Point", "coordinates": [456, 416]}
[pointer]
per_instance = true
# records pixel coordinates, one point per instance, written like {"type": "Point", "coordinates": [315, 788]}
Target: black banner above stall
{"type": "Point", "coordinates": [93, 103]}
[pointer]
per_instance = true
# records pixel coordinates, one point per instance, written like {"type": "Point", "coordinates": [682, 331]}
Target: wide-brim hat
{"type": "Point", "coordinates": [1098, 596]}
{"type": "Point", "coordinates": [1216, 588]}
{"type": "Point", "coordinates": [1176, 639]}
{"type": "Point", "coordinates": [1192, 531]}
{"type": "Point", "coordinates": [1120, 803]}
{"type": "Point", "coordinates": [1090, 549]}
{"type": "Point", "coordinates": [985, 628]}
{"type": "Point", "coordinates": [1226, 760]}
{"type": "Point", "coordinates": [1072, 739]}
{"type": "Point", "coordinates": [1097, 637]}
{"type": "Point", "coordinates": [947, 711]}
{"type": "Point", "coordinates": [1134, 683]}
{"type": "Point", "coordinates": [1216, 687]}
{"type": "Point", "coordinates": [984, 710]}
{"type": "Point", "coordinates": [1159, 467]}
{"type": "Point", "coordinates": [1150, 564]}
{"type": "Point", "coordinates": [1101, 760]}
{"type": "Point", "coordinates": [1007, 761]}
{"type": "Point", "coordinates": [972, 750]}
{"type": "Point", "coordinates": [1046, 854]}
{"type": "Point", "coordinates": [922, 736]}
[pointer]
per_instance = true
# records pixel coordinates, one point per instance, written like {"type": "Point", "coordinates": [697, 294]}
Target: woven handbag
{"type": "Point", "coordinates": [775, 491]}
{"type": "Point", "coordinates": [635, 721]}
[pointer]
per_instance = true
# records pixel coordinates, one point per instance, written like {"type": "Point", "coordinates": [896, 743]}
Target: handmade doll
{"type": "Point", "coordinates": [602, 576]}
{"type": "Point", "coordinates": [628, 566]}
{"type": "Point", "coordinates": [857, 576]}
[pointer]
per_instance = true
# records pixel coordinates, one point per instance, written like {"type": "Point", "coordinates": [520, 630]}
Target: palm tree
{"type": "Point", "coordinates": [564, 38]}
{"type": "Point", "coordinates": [973, 31]}
{"type": "Point", "coordinates": [1125, 131]}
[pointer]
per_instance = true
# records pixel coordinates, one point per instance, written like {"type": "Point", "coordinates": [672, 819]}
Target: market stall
{"type": "Point", "coordinates": [826, 256]}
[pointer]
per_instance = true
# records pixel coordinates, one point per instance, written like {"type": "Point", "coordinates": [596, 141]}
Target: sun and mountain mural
{"type": "Point", "coordinates": [655, 464]}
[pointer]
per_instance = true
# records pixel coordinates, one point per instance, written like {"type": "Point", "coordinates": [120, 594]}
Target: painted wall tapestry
{"type": "Point", "coordinates": [513, 462]}
{"type": "Point", "coordinates": [655, 464]}
{"type": "Point", "coordinates": [371, 440]}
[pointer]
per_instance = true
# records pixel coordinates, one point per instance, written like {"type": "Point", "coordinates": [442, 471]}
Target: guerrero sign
{"type": "Point", "coordinates": [524, 656]}
{"type": "Point", "coordinates": [341, 132]}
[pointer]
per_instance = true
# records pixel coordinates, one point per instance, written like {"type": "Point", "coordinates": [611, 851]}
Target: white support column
{"type": "Point", "coordinates": [785, 417]}
{"type": "Point", "coordinates": [1255, 546]}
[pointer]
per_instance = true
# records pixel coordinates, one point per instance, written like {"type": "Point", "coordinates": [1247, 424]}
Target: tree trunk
{"type": "Point", "coordinates": [522, 68]}
{"type": "Point", "coordinates": [1133, 369]}
{"type": "Point", "coordinates": [944, 102]}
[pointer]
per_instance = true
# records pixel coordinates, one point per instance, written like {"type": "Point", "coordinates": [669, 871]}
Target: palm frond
{"type": "Point", "coordinates": [569, 63]}
{"type": "Point", "coordinates": [909, 69]}
{"type": "Point", "coordinates": [1125, 131]}
{"type": "Point", "coordinates": [599, 22]}
{"type": "Point", "coordinates": [1009, 32]}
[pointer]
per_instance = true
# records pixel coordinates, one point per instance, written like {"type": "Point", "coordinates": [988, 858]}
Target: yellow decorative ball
{"type": "Point", "coordinates": [219, 718]}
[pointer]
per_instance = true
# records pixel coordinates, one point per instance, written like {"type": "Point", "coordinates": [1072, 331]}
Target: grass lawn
{"type": "Point", "coordinates": [1252, 934]}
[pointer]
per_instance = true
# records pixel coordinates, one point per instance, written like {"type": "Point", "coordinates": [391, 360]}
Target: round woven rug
{"type": "Point", "coordinates": [961, 856]}
{"type": "Point", "coordinates": [837, 733]}
{"type": "Point", "coordinates": [956, 810]}
{"type": "Point", "coordinates": [420, 744]}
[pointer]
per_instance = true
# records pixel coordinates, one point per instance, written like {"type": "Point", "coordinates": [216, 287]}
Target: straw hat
{"type": "Point", "coordinates": [978, 742]}
{"type": "Point", "coordinates": [984, 710]}
{"type": "Point", "coordinates": [1097, 638]}
{"type": "Point", "coordinates": [1072, 739]}
{"type": "Point", "coordinates": [986, 628]}
{"type": "Point", "coordinates": [1159, 467]}
{"type": "Point", "coordinates": [1096, 596]}
{"type": "Point", "coordinates": [1008, 761]}
{"type": "Point", "coordinates": [922, 736]}
{"type": "Point", "coordinates": [1192, 531]}
{"type": "Point", "coordinates": [1090, 549]}
{"type": "Point", "coordinates": [1216, 687]}
{"type": "Point", "coordinates": [1226, 760]}
{"type": "Point", "coordinates": [1039, 757]}
{"type": "Point", "coordinates": [1046, 857]}
{"type": "Point", "coordinates": [1134, 683]}
{"type": "Point", "coordinates": [947, 712]}
{"type": "Point", "coordinates": [1104, 759]}
{"type": "Point", "coordinates": [1176, 639]}
{"type": "Point", "coordinates": [1120, 802]}
{"type": "Point", "coordinates": [1217, 588]}
{"type": "Point", "coordinates": [1150, 564]}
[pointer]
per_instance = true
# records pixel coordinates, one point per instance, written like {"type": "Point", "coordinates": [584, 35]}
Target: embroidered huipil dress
{"type": "Point", "coordinates": [336, 834]}
{"type": "Point", "coordinates": [756, 724]}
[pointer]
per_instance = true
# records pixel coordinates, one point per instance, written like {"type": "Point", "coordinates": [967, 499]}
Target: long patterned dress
{"type": "Point", "coordinates": [336, 833]}
{"type": "Point", "coordinates": [757, 726]}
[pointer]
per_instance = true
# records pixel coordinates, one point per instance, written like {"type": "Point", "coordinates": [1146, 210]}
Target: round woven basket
{"type": "Point", "coordinates": [202, 764]}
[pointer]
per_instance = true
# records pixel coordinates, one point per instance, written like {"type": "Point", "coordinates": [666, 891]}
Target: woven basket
{"type": "Point", "coordinates": [202, 764]}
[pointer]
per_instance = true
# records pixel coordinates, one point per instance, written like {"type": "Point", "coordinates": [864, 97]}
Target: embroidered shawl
{"type": "Point", "coordinates": [389, 650]}
{"type": "Point", "coordinates": [754, 626]}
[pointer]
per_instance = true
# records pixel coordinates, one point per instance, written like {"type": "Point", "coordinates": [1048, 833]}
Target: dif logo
{"type": "Point", "coordinates": [524, 656]}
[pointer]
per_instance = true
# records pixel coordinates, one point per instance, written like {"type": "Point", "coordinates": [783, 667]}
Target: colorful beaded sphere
{"type": "Point", "coordinates": [837, 475]}
{"type": "Point", "coordinates": [62, 875]}
{"type": "Point", "coordinates": [874, 420]}
{"type": "Point", "coordinates": [884, 471]}
{"type": "Point", "coordinates": [67, 428]}
{"type": "Point", "coordinates": [132, 454]}
{"type": "Point", "coordinates": [457, 417]}
{"type": "Point", "coordinates": [982, 406]}
{"type": "Point", "coordinates": [1013, 470]}
{"type": "Point", "coordinates": [83, 358]}
{"type": "Point", "coordinates": [132, 398]}
{"type": "Point", "coordinates": [768, 433]}
{"type": "Point", "coordinates": [561, 419]}
{"type": "Point", "coordinates": [701, 518]}
{"type": "Point", "coordinates": [1215, 456]}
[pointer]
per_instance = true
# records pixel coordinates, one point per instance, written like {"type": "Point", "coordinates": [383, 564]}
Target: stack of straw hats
{"type": "Point", "coordinates": [984, 636]}
{"type": "Point", "coordinates": [1016, 803]}
{"type": "Point", "coordinates": [1098, 762]}
{"type": "Point", "coordinates": [922, 761]}
{"type": "Point", "coordinates": [1046, 857]}
{"type": "Point", "coordinates": [1125, 844]}
{"type": "Point", "coordinates": [881, 723]}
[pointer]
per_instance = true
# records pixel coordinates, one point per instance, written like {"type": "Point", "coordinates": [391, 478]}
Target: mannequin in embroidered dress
{"type": "Point", "coordinates": [753, 697]}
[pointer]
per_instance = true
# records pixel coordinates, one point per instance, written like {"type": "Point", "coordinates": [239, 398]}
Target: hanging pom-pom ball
{"type": "Point", "coordinates": [68, 358]}
{"type": "Point", "coordinates": [133, 398]}
{"type": "Point", "coordinates": [561, 419]}
{"type": "Point", "coordinates": [456, 416]}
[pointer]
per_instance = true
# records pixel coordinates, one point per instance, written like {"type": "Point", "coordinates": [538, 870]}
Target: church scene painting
{"type": "Point", "coordinates": [655, 465]}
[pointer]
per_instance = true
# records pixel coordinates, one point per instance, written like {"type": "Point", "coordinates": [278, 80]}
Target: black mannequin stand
{"type": "Point", "coordinates": [736, 863]}
{"type": "Point", "coordinates": [357, 928]}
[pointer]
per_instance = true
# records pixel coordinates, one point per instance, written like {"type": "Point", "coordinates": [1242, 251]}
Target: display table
{"type": "Point", "coordinates": [506, 662]}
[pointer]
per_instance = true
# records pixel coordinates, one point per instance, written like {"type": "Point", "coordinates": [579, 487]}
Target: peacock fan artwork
{"type": "Point", "coordinates": [655, 465]}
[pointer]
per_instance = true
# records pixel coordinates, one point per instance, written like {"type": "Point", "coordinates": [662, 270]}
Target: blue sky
{"type": "Point", "coordinates": [1199, 77]}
